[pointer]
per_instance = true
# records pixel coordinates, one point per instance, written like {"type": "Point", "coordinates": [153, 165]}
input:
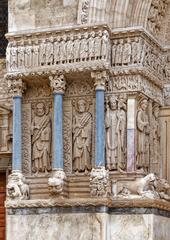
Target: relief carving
{"type": "Point", "coordinates": [156, 134]}
{"type": "Point", "coordinates": [82, 137]}
{"type": "Point", "coordinates": [41, 138]}
{"type": "Point", "coordinates": [115, 123]}
{"type": "Point", "coordinates": [143, 127]}
{"type": "Point", "coordinates": [84, 11]}
{"type": "Point", "coordinates": [17, 187]}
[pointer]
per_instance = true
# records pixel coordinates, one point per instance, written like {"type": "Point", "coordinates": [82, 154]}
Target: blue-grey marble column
{"type": "Point", "coordinates": [16, 88]}
{"type": "Point", "coordinates": [58, 86]}
{"type": "Point", "coordinates": [17, 134]}
{"type": "Point", "coordinates": [100, 78]}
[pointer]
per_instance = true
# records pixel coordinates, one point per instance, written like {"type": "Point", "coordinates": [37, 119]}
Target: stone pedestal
{"type": "Point", "coordinates": [88, 223]}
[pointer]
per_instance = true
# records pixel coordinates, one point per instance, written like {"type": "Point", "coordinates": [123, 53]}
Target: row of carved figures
{"type": "Point", "coordinates": [60, 50]}
{"type": "Point", "coordinates": [148, 136]}
{"type": "Point", "coordinates": [128, 51]}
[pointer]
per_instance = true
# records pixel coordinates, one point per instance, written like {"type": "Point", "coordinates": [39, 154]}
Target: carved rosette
{"type": "Point", "coordinates": [56, 182]}
{"type": "Point", "coordinates": [16, 87]}
{"type": "Point", "coordinates": [17, 187]}
{"type": "Point", "coordinates": [58, 83]}
{"type": "Point", "coordinates": [100, 183]}
{"type": "Point", "coordinates": [100, 79]}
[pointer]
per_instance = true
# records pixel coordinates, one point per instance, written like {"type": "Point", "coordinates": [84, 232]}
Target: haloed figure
{"type": "Point", "coordinates": [82, 137]}
{"type": "Point", "coordinates": [41, 139]}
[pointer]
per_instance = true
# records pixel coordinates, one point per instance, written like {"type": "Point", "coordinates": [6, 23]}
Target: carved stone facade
{"type": "Point", "coordinates": [90, 85]}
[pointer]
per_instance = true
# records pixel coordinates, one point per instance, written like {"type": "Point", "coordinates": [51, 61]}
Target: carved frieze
{"type": "Point", "coordinates": [156, 15]}
{"type": "Point", "coordinates": [133, 83]}
{"type": "Point", "coordinates": [38, 52]}
{"type": "Point", "coordinates": [137, 53]}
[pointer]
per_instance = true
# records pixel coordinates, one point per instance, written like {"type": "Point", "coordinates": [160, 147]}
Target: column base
{"type": "Point", "coordinates": [100, 185]}
{"type": "Point", "coordinates": [17, 187]}
{"type": "Point", "coordinates": [57, 184]}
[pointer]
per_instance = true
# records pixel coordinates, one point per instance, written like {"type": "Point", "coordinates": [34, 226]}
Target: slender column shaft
{"type": "Point", "coordinates": [17, 134]}
{"type": "Point", "coordinates": [131, 134]}
{"type": "Point", "coordinates": [100, 129]}
{"type": "Point", "coordinates": [58, 159]}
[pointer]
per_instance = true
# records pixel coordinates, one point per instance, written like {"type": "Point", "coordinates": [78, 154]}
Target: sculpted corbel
{"type": "Point", "coordinates": [56, 182]}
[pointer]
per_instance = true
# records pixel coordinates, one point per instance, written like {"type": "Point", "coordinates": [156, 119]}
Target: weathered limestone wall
{"type": "Point", "coordinates": [33, 14]}
{"type": "Point", "coordinates": [48, 224]}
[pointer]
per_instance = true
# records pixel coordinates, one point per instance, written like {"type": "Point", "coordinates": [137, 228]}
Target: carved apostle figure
{"type": "Point", "coordinates": [50, 51]}
{"type": "Point", "coordinates": [28, 55]}
{"type": "Point", "coordinates": [43, 52]}
{"type": "Point", "coordinates": [127, 52]}
{"type": "Point", "coordinates": [21, 55]}
{"type": "Point", "coordinates": [82, 137]}
{"type": "Point", "coordinates": [13, 56]}
{"type": "Point", "coordinates": [57, 50]}
{"type": "Point", "coordinates": [143, 136]}
{"type": "Point", "coordinates": [76, 50]}
{"type": "Point", "coordinates": [84, 50]}
{"type": "Point", "coordinates": [119, 52]}
{"type": "Point", "coordinates": [35, 57]}
{"type": "Point", "coordinates": [111, 123]}
{"type": "Point", "coordinates": [105, 45]}
{"type": "Point", "coordinates": [114, 47]}
{"type": "Point", "coordinates": [98, 45]}
{"type": "Point", "coordinates": [155, 159]}
{"type": "Point", "coordinates": [91, 46]}
{"type": "Point", "coordinates": [63, 50]}
{"type": "Point", "coordinates": [136, 51]}
{"type": "Point", "coordinates": [121, 129]}
{"type": "Point", "coordinates": [70, 48]}
{"type": "Point", "coordinates": [41, 139]}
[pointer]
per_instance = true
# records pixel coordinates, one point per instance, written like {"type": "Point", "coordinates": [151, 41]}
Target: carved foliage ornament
{"type": "Point", "coordinates": [100, 79]}
{"type": "Point", "coordinates": [16, 87]}
{"type": "Point", "coordinates": [58, 83]}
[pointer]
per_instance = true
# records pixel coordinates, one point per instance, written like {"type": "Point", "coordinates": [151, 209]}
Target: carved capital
{"type": "Point", "coordinates": [17, 187]}
{"type": "Point", "coordinates": [100, 79]}
{"type": "Point", "coordinates": [100, 183]}
{"type": "Point", "coordinates": [16, 87]}
{"type": "Point", "coordinates": [56, 182]}
{"type": "Point", "coordinates": [58, 83]}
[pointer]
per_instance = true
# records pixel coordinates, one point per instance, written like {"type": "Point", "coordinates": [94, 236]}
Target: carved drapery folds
{"type": "Point", "coordinates": [82, 136]}
{"type": "Point", "coordinates": [41, 138]}
{"type": "Point", "coordinates": [115, 124]}
{"type": "Point", "coordinates": [67, 48]}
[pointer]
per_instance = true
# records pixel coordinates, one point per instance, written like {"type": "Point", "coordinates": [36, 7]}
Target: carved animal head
{"type": "Point", "coordinates": [150, 178]}
{"type": "Point", "coordinates": [162, 185]}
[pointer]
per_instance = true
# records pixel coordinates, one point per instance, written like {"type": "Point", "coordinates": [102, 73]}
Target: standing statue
{"type": "Point", "coordinates": [105, 48]}
{"type": "Point", "coordinates": [43, 52]}
{"type": "Point", "coordinates": [13, 56]}
{"type": "Point", "coordinates": [111, 123]}
{"type": "Point", "coordinates": [84, 49]}
{"type": "Point", "coordinates": [82, 137]}
{"type": "Point", "coordinates": [155, 159]}
{"type": "Point", "coordinates": [127, 52]}
{"type": "Point", "coordinates": [76, 50]}
{"type": "Point", "coordinates": [70, 48]}
{"type": "Point", "coordinates": [98, 45]}
{"type": "Point", "coordinates": [35, 58]}
{"type": "Point", "coordinates": [21, 55]}
{"type": "Point", "coordinates": [91, 46]}
{"type": "Point", "coordinates": [136, 51]}
{"type": "Point", "coordinates": [121, 128]}
{"type": "Point", "coordinates": [50, 51]}
{"type": "Point", "coordinates": [28, 55]}
{"type": "Point", "coordinates": [143, 136]}
{"type": "Point", "coordinates": [41, 139]}
{"type": "Point", "coordinates": [57, 50]}
{"type": "Point", "coordinates": [119, 53]}
{"type": "Point", "coordinates": [63, 50]}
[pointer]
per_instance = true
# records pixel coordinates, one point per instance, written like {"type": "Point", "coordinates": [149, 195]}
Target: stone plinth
{"type": "Point", "coordinates": [86, 223]}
